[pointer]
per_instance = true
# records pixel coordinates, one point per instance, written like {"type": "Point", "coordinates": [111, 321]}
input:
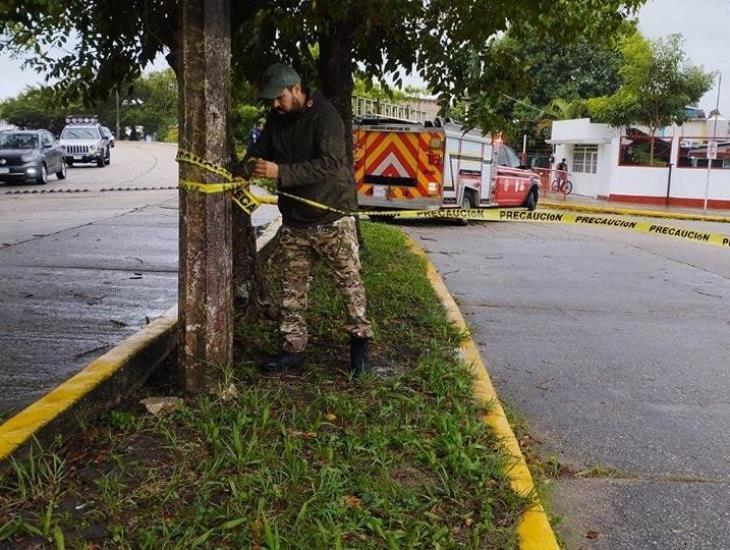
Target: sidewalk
{"type": "Point", "coordinates": [557, 200]}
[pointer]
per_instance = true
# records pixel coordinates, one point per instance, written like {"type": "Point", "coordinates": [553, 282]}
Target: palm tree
{"type": "Point", "coordinates": [560, 109]}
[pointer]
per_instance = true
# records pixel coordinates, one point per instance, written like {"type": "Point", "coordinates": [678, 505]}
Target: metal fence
{"type": "Point", "coordinates": [365, 107]}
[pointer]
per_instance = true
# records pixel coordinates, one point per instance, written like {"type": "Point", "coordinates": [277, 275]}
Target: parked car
{"type": "Point", "coordinates": [83, 141]}
{"type": "Point", "coordinates": [108, 134]}
{"type": "Point", "coordinates": [29, 156]}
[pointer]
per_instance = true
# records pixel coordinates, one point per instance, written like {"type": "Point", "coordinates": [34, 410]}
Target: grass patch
{"type": "Point", "coordinates": [314, 459]}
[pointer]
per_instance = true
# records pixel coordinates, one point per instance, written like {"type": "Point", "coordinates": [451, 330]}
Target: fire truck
{"type": "Point", "coordinates": [436, 164]}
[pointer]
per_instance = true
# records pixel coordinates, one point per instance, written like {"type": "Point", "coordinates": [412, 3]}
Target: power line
{"type": "Point", "coordinates": [541, 111]}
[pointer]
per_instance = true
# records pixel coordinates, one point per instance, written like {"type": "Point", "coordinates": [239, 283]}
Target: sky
{"type": "Point", "coordinates": [705, 25]}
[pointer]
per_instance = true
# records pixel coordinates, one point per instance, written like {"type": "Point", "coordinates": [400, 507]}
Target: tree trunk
{"type": "Point", "coordinates": [205, 279]}
{"type": "Point", "coordinates": [336, 43]}
{"type": "Point", "coordinates": [335, 72]}
{"type": "Point", "coordinates": [245, 265]}
{"type": "Point", "coordinates": [651, 147]}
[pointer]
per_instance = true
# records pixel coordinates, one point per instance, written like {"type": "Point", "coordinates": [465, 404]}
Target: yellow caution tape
{"type": "Point", "coordinates": [207, 188]}
{"type": "Point", "coordinates": [556, 216]}
{"type": "Point", "coordinates": [245, 200]}
{"type": "Point", "coordinates": [210, 188]}
{"type": "Point", "coordinates": [189, 158]}
{"type": "Point", "coordinates": [319, 205]}
{"type": "Point", "coordinates": [536, 216]}
{"type": "Point", "coordinates": [249, 202]}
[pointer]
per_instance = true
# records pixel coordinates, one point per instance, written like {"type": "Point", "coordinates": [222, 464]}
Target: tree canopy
{"type": "Point", "coordinates": [454, 44]}
{"type": "Point", "coordinates": [658, 83]}
{"type": "Point", "coordinates": [151, 102]}
{"type": "Point", "coordinates": [569, 71]}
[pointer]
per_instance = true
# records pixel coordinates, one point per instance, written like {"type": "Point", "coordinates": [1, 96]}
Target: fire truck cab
{"type": "Point", "coordinates": [427, 166]}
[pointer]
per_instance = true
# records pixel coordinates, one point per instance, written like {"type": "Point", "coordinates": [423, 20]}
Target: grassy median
{"type": "Point", "coordinates": [313, 459]}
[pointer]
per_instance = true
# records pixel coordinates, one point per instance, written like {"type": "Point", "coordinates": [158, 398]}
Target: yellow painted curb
{"type": "Point", "coordinates": [24, 425]}
{"type": "Point", "coordinates": [533, 529]}
{"type": "Point", "coordinates": [28, 422]}
{"type": "Point", "coordinates": [632, 212]}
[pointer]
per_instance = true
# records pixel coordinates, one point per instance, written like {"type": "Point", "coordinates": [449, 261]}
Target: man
{"type": "Point", "coordinates": [562, 170]}
{"type": "Point", "coordinates": [302, 146]}
{"type": "Point", "coordinates": [253, 136]}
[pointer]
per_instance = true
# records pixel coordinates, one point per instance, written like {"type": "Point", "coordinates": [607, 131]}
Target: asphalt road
{"type": "Point", "coordinates": [616, 349]}
{"type": "Point", "coordinates": [81, 271]}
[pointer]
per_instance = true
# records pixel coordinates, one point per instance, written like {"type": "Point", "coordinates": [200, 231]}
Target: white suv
{"type": "Point", "coordinates": [83, 140]}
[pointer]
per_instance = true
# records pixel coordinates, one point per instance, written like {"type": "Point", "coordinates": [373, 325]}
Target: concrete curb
{"type": "Point", "coordinates": [95, 387]}
{"type": "Point", "coordinates": [102, 383]}
{"type": "Point", "coordinates": [533, 529]}
{"type": "Point", "coordinates": [631, 212]}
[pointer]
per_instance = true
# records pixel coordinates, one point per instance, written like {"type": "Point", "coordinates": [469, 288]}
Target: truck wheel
{"type": "Point", "coordinates": [467, 203]}
{"type": "Point", "coordinates": [531, 201]}
{"type": "Point", "coordinates": [100, 161]}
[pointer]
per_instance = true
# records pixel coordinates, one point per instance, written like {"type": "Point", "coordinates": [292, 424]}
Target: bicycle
{"type": "Point", "coordinates": [564, 186]}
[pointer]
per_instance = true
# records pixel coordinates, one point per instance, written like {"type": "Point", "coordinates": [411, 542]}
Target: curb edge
{"type": "Point", "coordinates": [117, 371]}
{"type": "Point", "coordinates": [533, 529]}
{"type": "Point", "coordinates": [632, 212]}
{"type": "Point", "coordinates": [152, 343]}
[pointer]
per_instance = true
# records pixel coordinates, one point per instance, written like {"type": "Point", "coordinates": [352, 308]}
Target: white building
{"type": "Point", "coordinates": [622, 164]}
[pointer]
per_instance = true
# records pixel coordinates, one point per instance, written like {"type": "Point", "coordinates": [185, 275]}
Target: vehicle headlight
{"type": "Point", "coordinates": [29, 157]}
{"type": "Point", "coordinates": [92, 148]}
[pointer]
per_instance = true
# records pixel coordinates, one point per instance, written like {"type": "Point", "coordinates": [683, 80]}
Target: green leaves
{"type": "Point", "coordinates": [658, 84]}
{"type": "Point", "coordinates": [455, 45]}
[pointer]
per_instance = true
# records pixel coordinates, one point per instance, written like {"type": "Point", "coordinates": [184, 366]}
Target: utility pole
{"type": "Point", "coordinates": [205, 268]}
{"type": "Point", "coordinates": [714, 139]}
{"type": "Point", "coordinates": [116, 91]}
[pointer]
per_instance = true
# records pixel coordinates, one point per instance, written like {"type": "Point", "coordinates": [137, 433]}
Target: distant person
{"type": "Point", "coordinates": [254, 135]}
{"type": "Point", "coordinates": [562, 171]}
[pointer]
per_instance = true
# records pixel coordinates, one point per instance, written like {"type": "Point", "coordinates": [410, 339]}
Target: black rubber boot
{"type": "Point", "coordinates": [284, 361]}
{"type": "Point", "coordinates": [359, 362]}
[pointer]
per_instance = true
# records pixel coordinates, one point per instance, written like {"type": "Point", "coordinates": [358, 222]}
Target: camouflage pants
{"type": "Point", "coordinates": [336, 244]}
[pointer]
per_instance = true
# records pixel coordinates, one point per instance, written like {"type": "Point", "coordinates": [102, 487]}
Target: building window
{"type": "Point", "coordinates": [693, 153]}
{"type": "Point", "coordinates": [643, 150]}
{"type": "Point", "coordinates": [585, 159]}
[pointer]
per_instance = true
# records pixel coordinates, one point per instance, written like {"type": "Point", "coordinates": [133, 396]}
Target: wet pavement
{"type": "Point", "coordinates": [614, 346]}
{"type": "Point", "coordinates": [82, 271]}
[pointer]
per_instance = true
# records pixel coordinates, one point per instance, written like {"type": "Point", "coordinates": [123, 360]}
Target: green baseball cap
{"type": "Point", "coordinates": [275, 79]}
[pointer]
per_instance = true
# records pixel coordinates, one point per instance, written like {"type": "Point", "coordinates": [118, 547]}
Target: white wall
{"type": "Point", "coordinates": [690, 183]}
{"type": "Point", "coordinates": [580, 130]}
{"type": "Point", "coordinates": [607, 159]}
{"type": "Point", "coordinates": [589, 185]}
{"type": "Point", "coordinates": [638, 181]}
{"type": "Point", "coordinates": [687, 183]}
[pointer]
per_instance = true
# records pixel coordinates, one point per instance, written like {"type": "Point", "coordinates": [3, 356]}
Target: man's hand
{"type": "Point", "coordinates": [239, 179]}
{"type": "Point", "coordinates": [265, 169]}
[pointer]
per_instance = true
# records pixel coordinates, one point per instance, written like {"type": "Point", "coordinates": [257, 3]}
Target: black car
{"type": "Point", "coordinates": [30, 155]}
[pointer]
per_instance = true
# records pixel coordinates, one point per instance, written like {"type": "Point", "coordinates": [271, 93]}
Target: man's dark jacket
{"type": "Point", "coordinates": [309, 148]}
